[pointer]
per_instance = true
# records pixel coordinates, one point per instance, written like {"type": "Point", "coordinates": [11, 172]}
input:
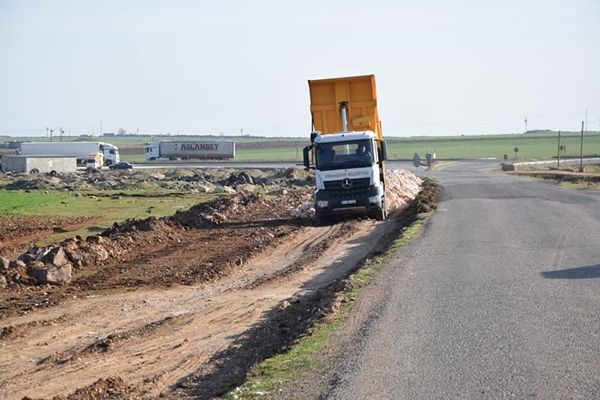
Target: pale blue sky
{"type": "Point", "coordinates": [442, 67]}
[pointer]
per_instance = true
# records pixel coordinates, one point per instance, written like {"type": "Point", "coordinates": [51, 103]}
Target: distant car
{"type": "Point", "coordinates": [122, 165]}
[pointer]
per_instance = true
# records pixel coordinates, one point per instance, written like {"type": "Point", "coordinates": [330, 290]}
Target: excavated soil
{"type": "Point", "coordinates": [180, 306]}
{"type": "Point", "coordinates": [18, 231]}
{"type": "Point", "coordinates": [201, 244]}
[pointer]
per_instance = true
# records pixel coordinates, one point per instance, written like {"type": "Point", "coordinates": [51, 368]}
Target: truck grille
{"type": "Point", "coordinates": [359, 186]}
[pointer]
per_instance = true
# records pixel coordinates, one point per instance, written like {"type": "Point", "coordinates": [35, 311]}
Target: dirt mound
{"type": "Point", "coordinates": [402, 186]}
{"type": "Point", "coordinates": [113, 388]}
{"type": "Point", "coordinates": [201, 244]}
{"type": "Point", "coordinates": [18, 231]}
{"type": "Point", "coordinates": [195, 181]}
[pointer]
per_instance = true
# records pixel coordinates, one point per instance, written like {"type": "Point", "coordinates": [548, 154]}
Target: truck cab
{"type": "Point", "coordinates": [110, 154]}
{"type": "Point", "coordinates": [152, 152]}
{"type": "Point", "coordinates": [348, 159]}
{"type": "Point", "coordinates": [347, 175]}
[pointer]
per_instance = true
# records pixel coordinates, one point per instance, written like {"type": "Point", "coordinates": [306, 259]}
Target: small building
{"type": "Point", "coordinates": [38, 164]}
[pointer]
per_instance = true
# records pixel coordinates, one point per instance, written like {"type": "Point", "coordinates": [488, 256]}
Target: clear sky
{"type": "Point", "coordinates": [442, 67]}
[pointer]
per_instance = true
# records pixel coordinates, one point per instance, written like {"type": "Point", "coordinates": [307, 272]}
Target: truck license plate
{"type": "Point", "coordinates": [346, 202]}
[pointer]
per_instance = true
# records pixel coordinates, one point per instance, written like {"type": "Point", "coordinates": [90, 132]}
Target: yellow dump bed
{"type": "Point", "coordinates": [360, 95]}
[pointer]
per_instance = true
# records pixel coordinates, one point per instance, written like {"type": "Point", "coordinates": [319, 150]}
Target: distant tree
{"type": "Point", "coordinates": [121, 131]}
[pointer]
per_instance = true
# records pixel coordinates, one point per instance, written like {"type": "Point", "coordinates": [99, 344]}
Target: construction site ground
{"type": "Point", "coordinates": [180, 306]}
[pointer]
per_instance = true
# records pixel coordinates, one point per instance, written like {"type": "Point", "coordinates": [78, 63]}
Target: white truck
{"type": "Point", "coordinates": [80, 150]}
{"type": "Point", "coordinates": [347, 150]}
{"type": "Point", "coordinates": [190, 149]}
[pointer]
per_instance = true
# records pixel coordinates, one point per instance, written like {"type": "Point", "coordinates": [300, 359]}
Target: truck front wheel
{"type": "Point", "coordinates": [321, 219]}
{"type": "Point", "coordinates": [381, 213]}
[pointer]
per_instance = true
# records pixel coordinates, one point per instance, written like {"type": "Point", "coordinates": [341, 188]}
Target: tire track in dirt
{"type": "Point", "coordinates": [216, 314]}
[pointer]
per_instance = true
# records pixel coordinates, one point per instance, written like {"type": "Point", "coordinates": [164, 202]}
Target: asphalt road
{"type": "Point", "coordinates": [499, 298]}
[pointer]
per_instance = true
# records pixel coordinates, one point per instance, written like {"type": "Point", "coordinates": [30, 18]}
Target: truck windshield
{"type": "Point", "coordinates": [354, 154]}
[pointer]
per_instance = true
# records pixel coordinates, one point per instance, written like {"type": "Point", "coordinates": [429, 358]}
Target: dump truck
{"type": "Point", "coordinates": [79, 150]}
{"type": "Point", "coordinates": [190, 149]}
{"type": "Point", "coordinates": [347, 150]}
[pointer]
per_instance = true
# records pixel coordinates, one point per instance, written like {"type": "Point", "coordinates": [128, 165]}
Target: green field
{"type": "Point", "coordinates": [532, 145]}
{"type": "Point", "coordinates": [104, 207]}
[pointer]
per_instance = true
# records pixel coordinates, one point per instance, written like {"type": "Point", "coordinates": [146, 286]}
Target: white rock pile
{"type": "Point", "coordinates": [402, 186]}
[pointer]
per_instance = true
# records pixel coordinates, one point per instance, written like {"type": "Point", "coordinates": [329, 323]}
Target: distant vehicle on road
{"type": "Point", "coordinates": [190, 149]}
{"type": "Point", "coordinates": [94, 162]}
{"type": "Point", "coordinates": [80, 150]}
{"type": "Point", "coordinates": [122, 165]}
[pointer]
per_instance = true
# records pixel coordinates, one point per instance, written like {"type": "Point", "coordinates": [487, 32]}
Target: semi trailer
{"type": "Point", "coordinates": [190, 149]}
{"type": "Point", "coordinates": [79, 150]}
{"type": "Point", "coordinates": [347, 150]}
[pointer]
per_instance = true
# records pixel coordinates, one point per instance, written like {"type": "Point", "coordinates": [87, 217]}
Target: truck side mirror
{"type": "Point", "coordinates": [383, 151]}
{"type": "Point", "coordinates": [306, 154]}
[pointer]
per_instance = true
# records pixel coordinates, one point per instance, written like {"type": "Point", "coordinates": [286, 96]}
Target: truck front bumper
{"type": "Point", "coordinates": [348, 202]}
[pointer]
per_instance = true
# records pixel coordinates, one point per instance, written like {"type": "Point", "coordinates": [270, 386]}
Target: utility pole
{"type": "Point", "coordinates": [47, 131]}
{"type": "Point", "coordinates": [62, 132]}
{"type": "Point", "coordinates": [558, 152]}
{"type": "Point", "coordinates": [100, 128]}
{"type": "Point", "coordinates": [51, 131]}
{"type": "Point", "coordinates": [581, 150]}
{"type": "Point", "coordinates": [525, 124]}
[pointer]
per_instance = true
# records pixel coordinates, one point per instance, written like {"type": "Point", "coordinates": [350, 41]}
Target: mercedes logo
{"type": "Point", "coordinates": [346, 183]}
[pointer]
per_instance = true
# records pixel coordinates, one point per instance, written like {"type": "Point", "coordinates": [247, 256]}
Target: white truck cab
{"type": "Point", "coordinates": [152, 152]}
{"type": "Point", "coordinates": [110, 153]}
{"type": "Point", "coordinates": [347, 175]}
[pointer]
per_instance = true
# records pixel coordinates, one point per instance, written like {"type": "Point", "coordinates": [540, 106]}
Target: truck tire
{"type": "Point", "coordinates": [381, 212]}
{"type": "Point", "coordinates": [321, 219]}
{"type": "Point", "coordinates": [34, 171]}
{"type": "Point", "coordinates": [108, 163]}
{"type": "Point", "coordinates": [152, 158]}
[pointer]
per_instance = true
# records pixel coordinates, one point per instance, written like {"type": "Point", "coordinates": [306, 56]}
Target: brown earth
{"type": "Point", "coordinates": [18, 232]}
{"type": "Point", "coordinates": [179, 306]}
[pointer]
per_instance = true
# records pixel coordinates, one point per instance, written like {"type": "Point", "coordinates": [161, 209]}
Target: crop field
{"type": "Point", "coordinates": [534, 145]}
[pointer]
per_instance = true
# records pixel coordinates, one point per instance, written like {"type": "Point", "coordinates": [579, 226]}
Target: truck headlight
{"type": "Point", "coordinates": [374, 199]}
{"type": "Point", "coordinates": [322, 203]}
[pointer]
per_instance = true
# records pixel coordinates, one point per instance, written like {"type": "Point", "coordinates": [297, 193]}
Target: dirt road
{"type": "Point", "coordinates": [153, 338]}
